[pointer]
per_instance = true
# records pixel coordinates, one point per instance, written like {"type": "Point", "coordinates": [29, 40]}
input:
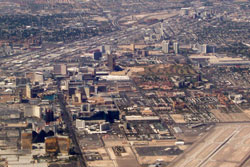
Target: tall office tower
{"type": "Point", "coordinates": [111, 62]}
{"type": "Point", "coordinates": [108, 49]}
{"type": "Point", "coordinates": [96, 89]}
{"type": "Point", "coordinates": [78, 96]}
{"type": "Point", "coordinates": [97, 55]}
{"type": "Point", "coordinates": [26, 141]}
{"type": "Point", "coordinates": [49, 116]}
{"type": "Point", "coordinates": [176, 47]}
{"type": "Point", "coordinates": [165, 46]}
{"type": "Point", "coordinates": [80, 124]}
{"type": "Point", "coordinates": [132, 47]}
{"type": "Point", "coordinates": [102, 49]}
{"type": "Point", "coordinates": [86, 107]}
{"type": "Point", "coordinates": [211, 49]}
{"type": "Point", "coordinates": [28, 91]}
{"type": "Point", "coordinates": [162, 29]}
{"type": "Point", "coordinates": [64, 85]}
{"type": "Point", "coordinates": [57, 144]}
{"type": "Point", "coordinates": [60, 69]}
{"type": "Point", "coordinates": [203, 48]}
{"type": "Point", "coordinates": [38, 77]}
{"type": "Point", "coordinates": [87, 91]}
{"type": "Point", "coordinates": [30, 76]}
{"type": "Point", "coordinates": [144, 53]}
{"type": "Point", "coordinates": [184, 11]}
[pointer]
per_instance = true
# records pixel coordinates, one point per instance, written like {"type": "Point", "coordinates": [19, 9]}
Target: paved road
{"type": "Point", "coordinates": [66, 116]}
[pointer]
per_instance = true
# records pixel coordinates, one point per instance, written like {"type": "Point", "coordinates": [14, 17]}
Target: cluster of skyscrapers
{"type": "Point", "coordinates": [166, 47]}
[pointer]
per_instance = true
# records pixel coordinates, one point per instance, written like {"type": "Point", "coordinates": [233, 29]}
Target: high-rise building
{"type": "Point", "coordinates": [176, 47]}
{"type": "Point", "coordinates": [38, 77]}
{"type": "Point", "coordinates": [32, 111]}
{"type": "Point", "coordinates": [184, 11]}
{"type": "Point", "coordinates": [28, 91]}
{"type": "Point", "coordinates": [63, 144]}
{"type": "Point", "coordinates": [165, 46]}
{"type": "Point", "coordinates": [26, 141]}
{"type": "Point", "coordinates": [162, 29]}
{"type": "Point", "coordinates": [108, 49]}
{"type": "Point", "coordinates": [30, 76]}
{"type": "Point", "coordinates": [111, 62]}
{"type": "Point", "coordinates": [203, 48]}
{"type": "Point", "coordinates": [51, 145]}
{"type": "Point", "coordinates": [102, 49]}
{"type": "Point", "coordinates": [96, 89]}
{"type": "Point", "coordinates": [64, 85]}
{"type": "Point", "coordinates": [57, 144]}
{"type": "Point", "coordinates": [21, 81]}
{"type": "Point", "coordinates": [211, 49]}
{"type": "Point", "coordinates": [105, 49]}
{"type": "Point", "coordinates": [60, 69]}
{"type": "Point", "coordinates": [105, 126]}
{"type": "Point", "coordinates": [87, 91]}
{"type": "Point", "coordinates": [77, 96]}
{"type": "Point", "coordinates": [80, 124]}
{"type": "Point", "coordinates": [86, 107]}
{"type": "Point", "coordinates": [144, 53]}
{"type": "Point", "coordinates": [132, 47]}
{"type": "Point", "coordinates": [49, 116]}
{"type": "Point", "coordinates": [97, 55]}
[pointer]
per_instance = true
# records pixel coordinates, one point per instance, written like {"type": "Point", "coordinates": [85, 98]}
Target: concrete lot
{"type": "Point", "coordinates": [230, 117]}
{"type": "Point", "coordinates": [178, 118]}
{"type": "Point", "coordinates": [226, 145]}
